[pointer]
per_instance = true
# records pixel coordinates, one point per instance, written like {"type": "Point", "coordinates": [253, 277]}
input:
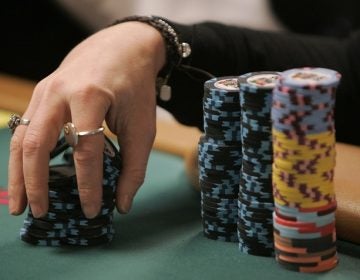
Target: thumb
{"type": "Point", "coordinates": [135, 150]}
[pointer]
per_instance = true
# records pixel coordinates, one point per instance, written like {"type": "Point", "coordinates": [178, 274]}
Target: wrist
{"type": "Point", "coordinates": [176, 50]}
{"type": "Point", "coordinates": [149, 40]}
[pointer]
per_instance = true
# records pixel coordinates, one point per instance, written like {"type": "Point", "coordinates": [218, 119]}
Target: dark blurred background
{"type": "Point", "coordinates": [37, 34]}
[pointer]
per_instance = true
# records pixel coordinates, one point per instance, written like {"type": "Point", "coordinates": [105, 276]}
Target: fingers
{"type": "Point", "coordinates": [135, 138]}
{"type": "Point", "coordinates": [16, 184]}
{"type": "Point", "coordinates": [39, 139]}
{"type": "Point", "coordinates": [88, 112]}
{"type": "Point", "coordinates": [31, 146]}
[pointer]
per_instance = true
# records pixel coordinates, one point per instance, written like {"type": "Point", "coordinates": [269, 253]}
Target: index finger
{"type": "Point", "coordinates": [40, 138]}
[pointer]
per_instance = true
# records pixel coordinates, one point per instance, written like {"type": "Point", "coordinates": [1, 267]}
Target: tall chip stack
{"type": "Point", "coordinates": [220, 159]}
{"type": "Point", "coordinates": [255, 201]}
{"type": "Point", "coordinates": [303, 169]}
{"type": "Point", "coordinates": [65, 223]}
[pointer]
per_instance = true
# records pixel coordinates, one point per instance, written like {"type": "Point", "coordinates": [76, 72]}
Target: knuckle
{"type": "Point", "coordinates": [54, 85]}
{"type": "Point", "coordinates": [90, 93]}
{"type": "Point", "coordinates": [85, 157]}
{"type": "Point", "coordinates": [31, 144]}
{"type": "Point", "coordinates": [85, 191]}
{"type": "Point", "coordinates": [40, 86]}
{"type": "Point", "coordinates": [15, 183]}
{"type": "Point", "coordinates": [87, 91]}
{"type": "Point", "coordinates": [88, 194]}
{"type": "Point", "coordinates": [33, 190]}
{"type": "Point", "coordinates": [15, 144]}
{"type": "Point", "coordinates": [137, 176]}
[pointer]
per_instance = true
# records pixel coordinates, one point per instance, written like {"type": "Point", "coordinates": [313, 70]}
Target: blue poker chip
{"type": "Point", "coordinates": [257, 81]}
{"type": "Point", "coordinates": [310, 78]}
{"type": "Point", "coordinates": [255, 203]}
{"type": "Point", "coordinates": [215, 235]}
{"type": "Point", "coordinates": [219, 227]}
{"type": "Point", "coordinates": [223, 85]}
{"type": "Point", "coordinates": [53, 242]}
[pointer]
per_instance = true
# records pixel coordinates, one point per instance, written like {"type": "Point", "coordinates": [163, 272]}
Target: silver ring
{"type": "Point", "coordinates": [15, 120]}
{"type": "Point", "coordinates": [72, 135]}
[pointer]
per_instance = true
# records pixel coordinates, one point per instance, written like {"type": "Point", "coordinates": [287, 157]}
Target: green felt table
{"type": "Point", "coordinates": [160, 239]}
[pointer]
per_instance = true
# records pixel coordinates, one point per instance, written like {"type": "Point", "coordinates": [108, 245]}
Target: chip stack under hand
{"type": "Point", "coordinates": [220, 159]}
{"type": "Point", "coordinates": [303, 169]}
{"type": "Point", "coordinates": [65, 223]}
{"type": "Point", "coordinates": [256, 205]}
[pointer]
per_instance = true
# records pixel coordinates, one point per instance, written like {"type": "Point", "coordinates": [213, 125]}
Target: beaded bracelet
{"type": "Point", "coordinates": [175, 50]}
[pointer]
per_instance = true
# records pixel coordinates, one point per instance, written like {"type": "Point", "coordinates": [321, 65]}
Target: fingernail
{"type": "Point", "coordinates": [125, 204]}
{"type": "Point", "coordinates": [37, 211]}
{"type": "Point", "coordinates": [13, 210]}
{"type": "Point", "coordinates": [90, 210]}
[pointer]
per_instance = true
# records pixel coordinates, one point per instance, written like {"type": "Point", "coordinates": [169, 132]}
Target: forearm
{"type": "Point", "coordinates": [223, 50]}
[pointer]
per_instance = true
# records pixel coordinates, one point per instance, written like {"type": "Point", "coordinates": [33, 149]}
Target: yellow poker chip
{"type": "Point", "coordinates": [306, 198]}
{"type": "Point", "coordinates": [296, 179]}
{"type": "Point", "coordinates": [292, 155]}
{"type": "Point", "coordinates": [306, 166]}
{"type": "Point", "coordinates": [300, 193]}
{"type": "Point", "coordinates": [295, 204]}
{"type": "Point", "coordinates": [299, 152]}
{"type": "Point", "coordinates": [312, 141]}
{"type": "Point", "coordinates": [310, 194]}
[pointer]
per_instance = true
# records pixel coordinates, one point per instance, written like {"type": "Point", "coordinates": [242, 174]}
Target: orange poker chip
{"type": "Point", "coordinates": [290, 249]}
{"type": "Point", "coordinates": [322, 266]}
{"type": "Point", "coordinates": [294, 224]}
{"type": "Point", "coordinates": [307, 259]}
{"type": "Point", "coordinates": [282, 239]}
{"type": "Point", "coordinates": [323, 254]}
{"type": "Point", "coordinates": [312, 246]}
{"type": "Point", "coordinates": [325, 230]}
{"type": "Point", "coordinates": [322, 210]}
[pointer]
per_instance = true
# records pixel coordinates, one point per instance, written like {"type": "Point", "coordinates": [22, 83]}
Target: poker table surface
{"type": "Point", "coordinates": [161, 238]}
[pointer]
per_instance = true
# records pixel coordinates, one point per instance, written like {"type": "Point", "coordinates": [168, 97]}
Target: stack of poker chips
{"type": "Point", "coordinates": [220, 159]}
{"type": "Point", "coordinates": [65, 223]}
{"type": "Point", "coordinates": [303, 169]}
{"type": "Point", "coordinates": [255, 201]}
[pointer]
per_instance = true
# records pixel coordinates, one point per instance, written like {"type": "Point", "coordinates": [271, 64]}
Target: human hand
{"type": "Point", "coordinates": [110, 76]}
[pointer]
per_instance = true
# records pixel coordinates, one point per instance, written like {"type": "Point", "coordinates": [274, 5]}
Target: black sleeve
{"type": "Point", "coordinates": [226, 50]}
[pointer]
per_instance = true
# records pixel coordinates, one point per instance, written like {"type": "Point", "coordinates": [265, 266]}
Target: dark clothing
{"type": "Point", "coordinates": [322, 17]}
{"type": "Point", "coordinates": [225, 50]}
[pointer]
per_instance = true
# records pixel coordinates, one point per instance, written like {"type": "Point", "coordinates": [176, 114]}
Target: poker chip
{"type": "Point", "coordinates": [220, 159]}
{"type": "Point", "coordinates": [65, 223]}
{"type": "Point", "coordinates": [266, 165]}
{"type": "Point", "coordinates": [303, 169]}
{"type": "Point", "coordinates": [255, 226]}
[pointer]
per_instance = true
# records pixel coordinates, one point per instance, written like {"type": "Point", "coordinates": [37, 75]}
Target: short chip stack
{"type": "Point", "coordinates": [256, 205]}
{"type": "Point", "coordinates": [220, 159]}
{"type": "Point", "coordinates": [65, 223]}
{"type": "Point", "coordinates": [303, 169]}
